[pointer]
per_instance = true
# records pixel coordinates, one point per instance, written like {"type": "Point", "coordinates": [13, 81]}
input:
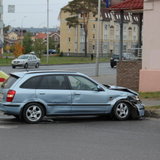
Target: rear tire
{"type": "Point", "coordinates": [37, 65]}
{"type": "Point", "coordinates": [33, 113]}
{"type": "Point", "coordinates": [121, 110]}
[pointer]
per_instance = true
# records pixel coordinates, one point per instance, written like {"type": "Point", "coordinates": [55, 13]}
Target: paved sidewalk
{"type": "Point", "coordinates": [151, 102]}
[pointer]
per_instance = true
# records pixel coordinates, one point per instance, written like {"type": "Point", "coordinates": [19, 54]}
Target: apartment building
{"type": "Point", "coordinates": [73, 39]}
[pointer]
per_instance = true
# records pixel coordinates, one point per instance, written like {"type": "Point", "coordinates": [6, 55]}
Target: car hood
{"type": "Point", "coordinates": [20, 60]}
{"type": "Point", "coordinates": [118, 88]}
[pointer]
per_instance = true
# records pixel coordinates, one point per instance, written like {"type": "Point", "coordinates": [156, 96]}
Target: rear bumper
{"type": "Point", "coordinates": [10, 109]}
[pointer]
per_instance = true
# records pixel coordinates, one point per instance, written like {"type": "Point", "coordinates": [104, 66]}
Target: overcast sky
{"type": "Point", "coordinates": [32, 13]}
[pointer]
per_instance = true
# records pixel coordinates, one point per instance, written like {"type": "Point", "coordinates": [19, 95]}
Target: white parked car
{"type": "Point", "coordinates": [26, 61]}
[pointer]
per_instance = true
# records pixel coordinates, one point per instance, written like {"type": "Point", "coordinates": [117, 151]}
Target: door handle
{"type": "Point", "coordinates": [42, 93]}
{"type": "Point", "coordinates": [76, 94]}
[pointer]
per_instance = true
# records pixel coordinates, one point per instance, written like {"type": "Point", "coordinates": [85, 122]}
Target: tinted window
{"type": "Point", "coordinates": [23, 57]}
{"type": "Point", "coordinates": [52, 82]}
{"type": "Point", "coordinates": [9, 82]}
{"type": "Point", "coordinates": [115, 56]}
{"type": "Point", "coordinates": [31, 83]}
{"type": "Point", "coordinates": [81, 83]}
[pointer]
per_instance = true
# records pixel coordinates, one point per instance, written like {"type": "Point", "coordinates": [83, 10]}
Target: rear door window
{"type": "Point", "coordinates": [53, 82]}
{"type": "Point", "coordinates": [31, 83]}
{"type": "Point", "coordinates": [9, 82]}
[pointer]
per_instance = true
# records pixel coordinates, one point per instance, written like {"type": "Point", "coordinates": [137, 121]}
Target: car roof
{"type": "Point", "coordinates": [22, 73]}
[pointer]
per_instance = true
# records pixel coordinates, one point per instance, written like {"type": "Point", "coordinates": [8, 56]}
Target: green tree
{"type": "Point", "coordinates": [6, 28]}
{"type": "Point", "coordinates": [18, 49]}
{"type": "Point", "coordinates": [27, 42]}
{"type": "Point", "coordinates": [83, 8]}
{"type": "Point", "coordinates": [39, 47]}
{"type": "Point", "coordinates": [51, 43]}
{"type": "Point", "coordinates": [54, 44]}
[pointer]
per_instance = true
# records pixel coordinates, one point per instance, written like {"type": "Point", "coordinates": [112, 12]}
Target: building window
{"type": "Point", "coordinates": [93, 36]}
{"type": "Point", "coordinates": [134, 28]}
{"type": "Point", "coordinates": [81, 25]}
{"type": "Point", "coordinates": [105, 26]}
{"type": "Point", "coordinates": [94, 26]}
{"type": "Point", "coordinates": [69, 39]}
{"type": "Point", "coordinates": [93, 47]}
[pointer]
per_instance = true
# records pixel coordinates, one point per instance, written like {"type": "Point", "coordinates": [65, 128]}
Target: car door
{"type": "Point", "coordinates": [30, 61]}
{"type": "Point", "coordinates": [86, 99]}
{"type": "Point", "coordinates": [34, 59]}
{"type": "Point", "coordinates": [53, 91]}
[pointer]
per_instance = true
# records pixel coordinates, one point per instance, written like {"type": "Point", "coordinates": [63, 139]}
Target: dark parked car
{"type": "Point", "coordinates": [51, 51]}
{"type": "Point", "coordinates": [32, 95]}
{"type": "Point", "coordinates": [126, 56]}
{"type": "Point", "coordinates": [114, 59]}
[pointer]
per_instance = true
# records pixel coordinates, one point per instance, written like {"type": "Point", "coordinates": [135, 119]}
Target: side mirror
{"type": "Point", "coordinates": [100, 89]}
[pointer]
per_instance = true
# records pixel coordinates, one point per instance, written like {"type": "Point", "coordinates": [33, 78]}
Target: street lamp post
{"type": "Point", "coordinates": [47, 30]}
{"type": "Point", "coordinates": [21, 31]}
{"type": "Point", "coordinates": [98, 38]}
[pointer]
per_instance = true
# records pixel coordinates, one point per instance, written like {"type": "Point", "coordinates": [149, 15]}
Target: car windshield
{"type": "Point", "coordinates": [129, 56]}
{"type": "Point", "coordinates": [23, 57]}
{"type": "Point", "coordinates": [115, 56]}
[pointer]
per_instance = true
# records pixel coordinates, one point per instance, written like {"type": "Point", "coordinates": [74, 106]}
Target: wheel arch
{"type": "Point", "coordinates": [133, 113]}
{"type": "Point", "coordinates": [44, 107]}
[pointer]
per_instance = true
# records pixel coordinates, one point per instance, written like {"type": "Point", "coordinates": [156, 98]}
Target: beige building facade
{"type": "Point", "coordinates": [73, 39]}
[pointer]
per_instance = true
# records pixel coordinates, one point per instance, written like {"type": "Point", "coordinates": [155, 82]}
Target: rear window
{"type": "Point", "coordinates": [115, 56]}
{"type": "Point", "coordinates": [9, 82]}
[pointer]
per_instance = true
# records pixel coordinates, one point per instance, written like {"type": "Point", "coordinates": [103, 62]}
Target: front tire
{"type": "Point", "coordinates": [26, 65]}
{"type": "Point", "coordinates": [121, 110]}
{"type": "Point", "coordinates": [13, 67]}
{"type": "Point", "coordinates": [33, 113]}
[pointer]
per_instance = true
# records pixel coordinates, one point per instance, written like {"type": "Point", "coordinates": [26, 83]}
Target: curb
{"type": "Point", "coordinates": [154, 113]}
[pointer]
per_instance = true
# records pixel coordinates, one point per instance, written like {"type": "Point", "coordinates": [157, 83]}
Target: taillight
{"type": "Point", "coordinates": [10, 95]}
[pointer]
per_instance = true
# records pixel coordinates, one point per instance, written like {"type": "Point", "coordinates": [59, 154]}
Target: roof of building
{"type": "Point", "coordinates": [41, 36]}
{"type": "Point", "coordinates": [128, 5]}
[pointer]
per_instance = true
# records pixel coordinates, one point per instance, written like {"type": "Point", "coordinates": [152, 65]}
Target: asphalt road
{"type": "Point", "coordinates": [89, 69]}
{"type": "Point", "coordinates": [88, 138]}
{"type": "Point", "coordinates": [80, 139]}
{"type": "Point", "coordinates": [107, 75]}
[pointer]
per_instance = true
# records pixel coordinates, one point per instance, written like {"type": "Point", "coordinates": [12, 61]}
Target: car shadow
{"type": "Point", "coordinates": [10, 120]}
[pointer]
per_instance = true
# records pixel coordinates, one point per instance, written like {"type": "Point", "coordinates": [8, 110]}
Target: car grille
{"type": "Point", "coordinates": [16, 62]}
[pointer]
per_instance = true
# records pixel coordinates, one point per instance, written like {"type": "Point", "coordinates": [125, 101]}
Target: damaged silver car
{"type": "Point", "coordinates": [33, 95]}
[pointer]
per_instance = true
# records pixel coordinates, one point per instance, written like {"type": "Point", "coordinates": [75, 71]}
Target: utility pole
{"type": "Point", "coordinates": [47, 30]}
{"type": "Point", "coordinates": [121, 34]}
{"type": "Point", "coordinates": [98, 38]}
{"type": "Point", "coordinates": [21, 30]}
{"type": "Point", "coordinates": [1, 26]}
